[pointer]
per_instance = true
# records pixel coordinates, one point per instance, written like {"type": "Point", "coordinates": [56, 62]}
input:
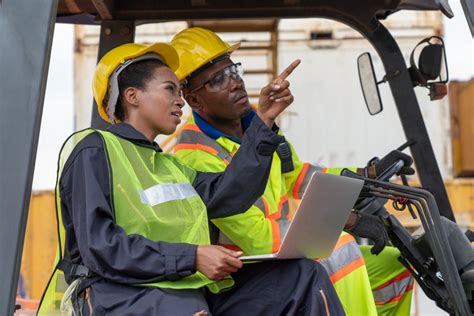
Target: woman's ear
{"type": "Point", "coordinates": [193, 102]}
{"type": "Point", "coordinates": [130, 96]}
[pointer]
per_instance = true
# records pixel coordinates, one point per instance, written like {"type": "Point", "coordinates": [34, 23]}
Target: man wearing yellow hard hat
{"type": "Point", "coordinates": [214, 89]}
{"type": "Point", "coordinates": [133, 221]}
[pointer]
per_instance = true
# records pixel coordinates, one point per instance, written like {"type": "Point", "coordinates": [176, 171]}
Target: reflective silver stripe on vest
{"type": "Point", "coordinates": [309, 172]}
{"type": "Point", "coordinates": [341, 257]}
{"type": "Point", "coordinates": [285, 209]}
{"type": "Point", "coordinates": [283, 222]}
{"type": "Point", "coordinates": [162, 193]}
{"type": "Point", "coordinates": [392, 291]}
{"type": "Point", "coordinates": [259, 203]}
{"type": "Point", "coordinates": [193, 137]}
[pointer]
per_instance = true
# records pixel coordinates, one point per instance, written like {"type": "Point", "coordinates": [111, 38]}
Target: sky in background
{"type": "Point", "coordinates": [58, 114]}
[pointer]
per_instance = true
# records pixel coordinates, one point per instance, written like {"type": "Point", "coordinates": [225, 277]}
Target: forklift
{"type": "Point", "coordinates": [26, 32]}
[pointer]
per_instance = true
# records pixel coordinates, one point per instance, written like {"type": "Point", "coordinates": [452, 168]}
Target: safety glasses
{"type": "Point", "coordinates": [221, 79]}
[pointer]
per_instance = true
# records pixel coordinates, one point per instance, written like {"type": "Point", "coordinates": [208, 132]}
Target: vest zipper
{"type": "Point", "coordinates": [326, 306]}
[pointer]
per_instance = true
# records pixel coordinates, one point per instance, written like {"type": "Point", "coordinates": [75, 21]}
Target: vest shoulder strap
{"type": "Point", "coordinates": [192, 137]}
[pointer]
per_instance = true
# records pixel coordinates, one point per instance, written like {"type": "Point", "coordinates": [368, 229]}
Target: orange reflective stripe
{"type": "Point", "coordinates": [324, 170]}
{"type": "Point", "coordinates": [401, 276]}
{"type": "Point", "coordinates": [299, 181]}
{"type": "Point", "coordinates": [344, 260]}
{"type": "Point", "coordinates": [275, 236]}
{"type": "Point", "coordinates": [274, 217]}
{"type": "Point", "coordinates": [191, 137]}
{"type": "Point", "coordinates": [275, 227]}
{"type": "Point", "coordinates": [283, 199]}
{"type": "Point", "coordinates": [284, 209]}
{"type": "Point", "coordinates": [343, 240]}
{"type": "Point", "coordinates": [191, 127]}
{"type": "Point", "coordinates": [394, 289]}
{"type": "Point", "coordinates": [195, 146]}
{"type": "Point", "coordinates": [396, 298]}
{"type": "Point", "coordinates": [303, 179]}
{"type": "Point", "coordinates": [277, 215]}
{"type": "Point", "coordinates": [336, 276]}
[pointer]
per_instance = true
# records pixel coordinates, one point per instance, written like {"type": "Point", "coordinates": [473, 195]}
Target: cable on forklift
{"type": "Point", "coordinates": [400, 203]}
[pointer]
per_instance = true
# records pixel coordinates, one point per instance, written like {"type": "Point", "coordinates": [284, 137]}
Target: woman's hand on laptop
{"type": "Point", "coordinates": [217, 262]}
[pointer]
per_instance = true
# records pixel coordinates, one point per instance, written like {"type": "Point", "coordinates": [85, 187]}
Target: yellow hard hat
{"type": "Point", "coordinates": [104, 83]}
{"type": "Point", "coordinates": [196, 47]}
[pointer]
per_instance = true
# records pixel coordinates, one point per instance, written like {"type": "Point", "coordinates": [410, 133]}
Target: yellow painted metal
{"type": "Point", "coordinates": [40, 243]}
{"type": "Point", "coordinates": [461, 95]}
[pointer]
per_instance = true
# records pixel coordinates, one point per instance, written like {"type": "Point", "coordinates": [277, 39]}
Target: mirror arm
{"type": "Point", "coordinates": [388, 77]}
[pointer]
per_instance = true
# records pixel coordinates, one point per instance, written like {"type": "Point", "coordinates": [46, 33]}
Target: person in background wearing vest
{"type": "Point", "coordinates": [134, 236]}
{"type": "Point", "coordinates": [213, 87]}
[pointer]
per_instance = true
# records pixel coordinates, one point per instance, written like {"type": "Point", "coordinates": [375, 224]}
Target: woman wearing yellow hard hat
{"type": "Point", "coordinates": [133, 221]}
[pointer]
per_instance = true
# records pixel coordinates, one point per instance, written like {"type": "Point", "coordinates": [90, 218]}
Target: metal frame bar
{"type": "Point", "coordinates": [104, 8]}
{"type": "Point", "coordinates": [468, 7]}
{"type": "Point", "coordinates": [411, 117]}
{"type": "Point", "coordinates": [112, 34]}
{"type": "Point", "coordinates": [26, 29]}
{"type": "Point", "coordinates": [204, 9]}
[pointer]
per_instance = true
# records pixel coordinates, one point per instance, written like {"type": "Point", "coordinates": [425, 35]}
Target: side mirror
{"type": "Point", "coordinates": [431, 69]}
{"type": "Point", "coordinates": [369, 84]}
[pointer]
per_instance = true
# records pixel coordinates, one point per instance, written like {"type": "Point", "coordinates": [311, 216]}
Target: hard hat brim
{"type": "Point", "coordinates": [229, 50]}
{"type": "Point", "coordinates": [165, 50]}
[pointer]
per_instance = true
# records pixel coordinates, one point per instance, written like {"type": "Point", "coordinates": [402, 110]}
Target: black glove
{"type": "Point", "coordinates": [470, 235]}
{"type": "Point", "coordinates": [372, 227]}
{"type": "Point", "coordinates": [392, 157]}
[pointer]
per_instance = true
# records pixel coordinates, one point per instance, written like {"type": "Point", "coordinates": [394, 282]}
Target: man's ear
{"type": "Point", "coordinates": [131, 95]}
{"type": "Point", "coordinates": [193, 101]}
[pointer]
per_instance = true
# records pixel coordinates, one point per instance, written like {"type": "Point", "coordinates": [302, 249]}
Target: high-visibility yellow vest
{"type": "Point", "coordinates": [392, 283]}
{"type": "Point", "coordinates": [153, 197]}
{"type": "Point", "coordinates": [261, 228]}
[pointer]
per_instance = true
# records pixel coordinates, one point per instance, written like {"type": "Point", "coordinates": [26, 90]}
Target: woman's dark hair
{"type": "Point", "coordinates": [136, 75]}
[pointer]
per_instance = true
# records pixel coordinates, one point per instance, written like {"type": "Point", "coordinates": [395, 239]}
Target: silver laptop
{"type": "Point", "coordinates": [319, 219]}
